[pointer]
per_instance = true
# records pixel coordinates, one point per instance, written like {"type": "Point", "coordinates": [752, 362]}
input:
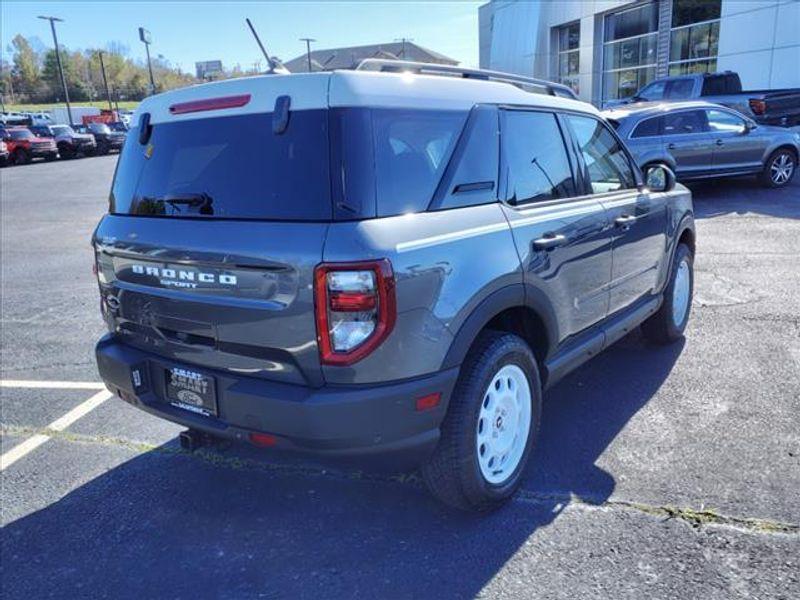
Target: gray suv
{"type": "Point", "coordinates": [699, 140]}
{"type": "Point", "coordinates": [379, 265]}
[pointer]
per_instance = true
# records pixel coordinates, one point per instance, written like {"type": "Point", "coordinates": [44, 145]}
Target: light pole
{"type": "Point", "coordinates": [58, 60]}
{"type": "Point", "coordinates": [308, 50]}
{"type": "Point", "coordinates": [144, 35]}
{"type": "Point", "coordinates": [105, 80]}
{"type": "Point", "coordinates": [404, 40]}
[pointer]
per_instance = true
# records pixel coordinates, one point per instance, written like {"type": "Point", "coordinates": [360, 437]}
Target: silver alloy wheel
{"type": "Point", "coordinates": [503, 424]}
{"type": "Point", "coordinates": [680, 293]}
{"type": "Point", "coordinates": [781, 169]}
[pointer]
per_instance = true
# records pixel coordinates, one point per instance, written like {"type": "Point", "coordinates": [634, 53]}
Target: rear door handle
{"type": "Point", "coordinates": [549, 241]}
{"type": "Point", "coordinates": [720, 143]}
{"type": "Point", "coordinates": [625, 220]}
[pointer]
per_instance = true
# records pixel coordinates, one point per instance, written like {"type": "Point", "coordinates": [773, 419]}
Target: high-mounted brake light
{"type": "Point", "coordinates": [355, 309]}
{"type": "Point", "coordinates": [209, 104]}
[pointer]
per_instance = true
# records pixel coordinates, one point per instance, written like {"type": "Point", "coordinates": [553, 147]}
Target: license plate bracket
{"type": "Point", "coordinates": [191, 390]}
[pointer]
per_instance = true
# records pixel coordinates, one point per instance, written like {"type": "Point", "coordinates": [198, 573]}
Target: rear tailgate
{"type": "Point", "coordinates": [220, 294]}
{"type": "Point", "coordinates": [216, 225]}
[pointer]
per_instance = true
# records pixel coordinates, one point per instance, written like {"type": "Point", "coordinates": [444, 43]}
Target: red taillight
{"type": "Point", "coordinates": [759, 107]}
{"type": "Point", "coordinates": [209, 104]}
{"type": "Point", "coordinates": [355, 309]}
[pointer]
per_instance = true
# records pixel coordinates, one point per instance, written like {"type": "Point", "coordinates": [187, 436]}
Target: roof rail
{"type": "Point", "coordinates": [407, 66]}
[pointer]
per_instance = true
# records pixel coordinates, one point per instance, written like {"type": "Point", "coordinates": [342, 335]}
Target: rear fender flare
{"type": "Point", "coordinates": [512, 296]}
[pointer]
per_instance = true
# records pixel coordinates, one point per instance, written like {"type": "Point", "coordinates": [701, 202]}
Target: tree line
{"type": "Point", "coordinates": [32, 77]}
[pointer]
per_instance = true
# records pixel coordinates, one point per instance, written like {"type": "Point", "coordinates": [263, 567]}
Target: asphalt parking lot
{"type": "Point", "coordinates": [662, 472]}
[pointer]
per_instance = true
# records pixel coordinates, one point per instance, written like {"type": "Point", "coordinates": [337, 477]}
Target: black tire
{"type": "Point", "coordinates": [661, 328]}
{"type": "Point", "coordinates": [453, 473]}
{"type": "Point", "coordinates": [781, 156]}
{"type": "Point", "coordinates": [51, 157]}
{"type": "Point", "coordinates": [21, 157]}
{"type": "Point", "coordinates": [66, 153]}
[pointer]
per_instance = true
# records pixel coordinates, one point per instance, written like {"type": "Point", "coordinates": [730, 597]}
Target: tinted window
{"type": "Point", "coordinates": [654, 91]}
{"type": "Point", "coordinates": [471, 174]}
{"type": "Point", "coordinates": [536, 164]}
{"type": "Point", "coordinates": [689, 121]}
{"type": "Point", "coordinates": [648, 128]}
{"type": "Point", "coordinates": [685, 12]}
{"type": "Point", "coordinates": [724, 122]}
{"type": "Point", "coordinates": [607, 164]}
{"type": "Point", "coordinates": [714, 86]}
{"type": "Point", "coordinates": [20, 134]}
{"type": "Point", "coordinates": [412, 148]}
{"type": "Point", "coordinates": [680, 88]}
{"type": "Point", "coordinates": [232, 167]}
{"type": "Point", "coordinates": [629, 23]}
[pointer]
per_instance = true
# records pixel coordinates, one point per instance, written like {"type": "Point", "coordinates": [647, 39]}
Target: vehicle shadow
{"type": "Point", "coordinates": [742, 195]}
{"type": "Point", "coordinates": [237, 524]}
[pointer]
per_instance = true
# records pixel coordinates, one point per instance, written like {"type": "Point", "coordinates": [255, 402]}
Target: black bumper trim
{"type": "Point", "coordinates": [374, 421]}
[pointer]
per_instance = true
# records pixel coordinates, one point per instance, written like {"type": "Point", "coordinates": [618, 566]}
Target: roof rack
{"type": "Point", "coordinates": [407, 66]}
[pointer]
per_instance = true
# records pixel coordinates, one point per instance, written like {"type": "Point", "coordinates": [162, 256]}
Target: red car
{"type": "Point", "coordinates": [23, 146]}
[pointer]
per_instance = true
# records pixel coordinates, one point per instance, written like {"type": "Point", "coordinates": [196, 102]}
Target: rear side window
{"type": "Point", "coordinates": [228, 167]}
{"type": "Point", "coordinates": [685, 122]}
{"type": "Point", "coordinates": [714, 86]}
{"type": "Point", "coordinates": [412, 148]}
{"type": "Point", "coordinates": [535, 158]}
{"type": "Point", "coordinates": [648, 128]}
{"type": "Point", "coordinates": [606, 162]}
{"type": "Point", "coordinates": [680, 88]}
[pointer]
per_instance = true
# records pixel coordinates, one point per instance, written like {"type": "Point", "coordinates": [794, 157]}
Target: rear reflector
{"type": "Point", "coordinates": [263, 439]}
{"type": "Point", "coordinates": [428, 402]}
{"type": "Point", "coordinates": [209, 104]}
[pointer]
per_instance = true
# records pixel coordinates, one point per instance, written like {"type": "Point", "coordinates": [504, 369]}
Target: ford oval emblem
{"type": "Point", "coordinates": [190, 397]}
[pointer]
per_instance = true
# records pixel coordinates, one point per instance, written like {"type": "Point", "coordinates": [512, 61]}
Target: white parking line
{"type": "Point", "coordinates": [60, 424]}
{"type": "Point", "coordinates": [58, 385]}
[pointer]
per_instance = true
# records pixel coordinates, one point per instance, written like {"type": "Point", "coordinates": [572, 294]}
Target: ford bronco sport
{"type": "Point", "coordinates": [384, 265]}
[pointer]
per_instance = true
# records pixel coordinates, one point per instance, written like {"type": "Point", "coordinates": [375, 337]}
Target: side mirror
{"type": "Point", "coordinates": [659, 178]}
{"type": "Point", "coordinates": [749, 126]}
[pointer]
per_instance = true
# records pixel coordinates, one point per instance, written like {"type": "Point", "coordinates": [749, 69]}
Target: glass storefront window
{"type": "Point", "coordinates": [569, 55]}
{"type": "Point", "coordinates": [694, 66]}
{"type": "Point", "coordinates": [630, 23]}
{"type": "Point", "coordinates": [686, 12]}
{"type": "Point", "coordinates": [694, 41]}
{"type": "Point", "coordinates": [629, 51]}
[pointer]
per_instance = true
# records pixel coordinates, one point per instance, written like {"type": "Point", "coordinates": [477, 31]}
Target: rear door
{"type": "Point", "coordinates": [561, 235]}
{"type": "Point", "coordinates": [216, 224]}
{"type": "Point", "coordinates": [638, 219]}
{"type": "Point", "coordinates": [735, 146]}
{"type": "Point", "coordinates": [688, 142]}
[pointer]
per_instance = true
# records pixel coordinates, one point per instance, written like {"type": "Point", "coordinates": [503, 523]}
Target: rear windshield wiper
{"type": "Point", "coordinates": [201, 201]}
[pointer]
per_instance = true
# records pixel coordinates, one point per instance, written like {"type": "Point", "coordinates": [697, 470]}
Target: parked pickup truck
{"type": "Point", "coordinates": [768, 107]}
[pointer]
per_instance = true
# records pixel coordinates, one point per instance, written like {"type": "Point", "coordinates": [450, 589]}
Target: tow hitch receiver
{"type": "Point", "coordinates": [192, 440]}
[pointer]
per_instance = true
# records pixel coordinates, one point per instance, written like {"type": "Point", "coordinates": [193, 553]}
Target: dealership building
{"type": "Point", "coordinates": [607, 49]}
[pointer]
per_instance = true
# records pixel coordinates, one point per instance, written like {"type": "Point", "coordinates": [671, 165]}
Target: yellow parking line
{"type": "Point", "coordinates": [60, 424]}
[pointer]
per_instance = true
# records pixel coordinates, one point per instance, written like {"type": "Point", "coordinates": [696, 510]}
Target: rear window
{"type": "Point", "coordinates": [648, 128]}
{"type": "Point", "coordinates": [229, 167]}
{"type": "Point", "coordinates": [386, 162]}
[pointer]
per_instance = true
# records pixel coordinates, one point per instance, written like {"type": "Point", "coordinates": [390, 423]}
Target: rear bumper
{"type": "Point", "coordinates": [377, 423]}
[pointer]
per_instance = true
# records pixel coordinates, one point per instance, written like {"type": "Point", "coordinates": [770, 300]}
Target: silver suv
{"type": "Point", "coordinates": [383, 265]}
{"type": "Point", "coordinates": [699, 140]}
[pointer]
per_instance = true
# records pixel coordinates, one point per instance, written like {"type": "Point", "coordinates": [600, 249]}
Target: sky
{"type": "Point", "coordinates": [185, 32]}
